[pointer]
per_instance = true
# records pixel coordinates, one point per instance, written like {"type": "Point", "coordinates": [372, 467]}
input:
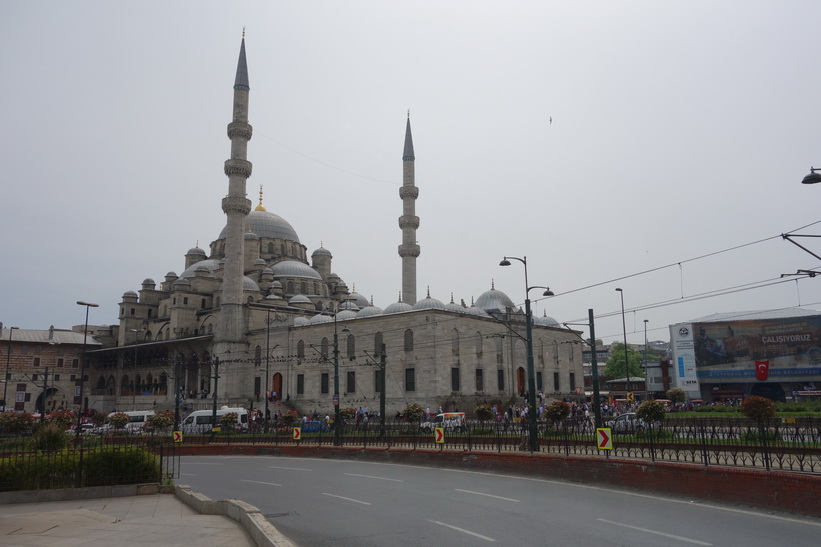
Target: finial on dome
{"type": "Point", "coordinates": [371, 300]}
{"type": "Point", "coordinates": [451, 298]}
{"type": "Point", "coordinates": [409, 113]}
{"type": "Point", "coordinates": [428, 291]}
{"type": "Point", "coordinates": [243, 32]}
{"type": "Point", "coordinates": [400, 296]}
{"type": "Point", "coordinates": [492, 284]}
{"type": "Point", "coordinates": [260, 207]}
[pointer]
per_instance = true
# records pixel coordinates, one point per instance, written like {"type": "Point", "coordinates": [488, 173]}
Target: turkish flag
{"type": "Point", "coordinates": [762, 370]}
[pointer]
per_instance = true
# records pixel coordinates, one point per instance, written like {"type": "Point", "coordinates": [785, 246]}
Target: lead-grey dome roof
{"type": "Point", "coordinates": [292, 268]}
{"type": "Point", "coordinates": [429, 303]}
{"type": "Point", "coordinates": [494, 300]}
{"type": "Point", "coordinates": [545, 321]}
{"type": "Point", "coordinates": [398, 307]}
{"type": "Point", "coordinates": [266, 224]}
{"type": "Point", "coordinates": [209, 264]}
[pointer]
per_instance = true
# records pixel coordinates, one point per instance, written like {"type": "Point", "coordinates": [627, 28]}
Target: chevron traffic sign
{"type": "Point", "coordinates": [439, 434]}
{"type": "Point", "coordinates": [605, 441]}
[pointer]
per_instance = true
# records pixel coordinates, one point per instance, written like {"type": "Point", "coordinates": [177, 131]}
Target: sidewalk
{"type": "Point", "coordinates": [155, 519]}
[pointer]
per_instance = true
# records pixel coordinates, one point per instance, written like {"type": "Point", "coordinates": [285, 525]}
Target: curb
{"type": "Point", "coordinates": [261, 531]}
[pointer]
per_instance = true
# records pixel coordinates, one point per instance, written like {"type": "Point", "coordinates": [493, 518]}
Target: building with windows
{"type": "Point", "coordinates": [257, 315]}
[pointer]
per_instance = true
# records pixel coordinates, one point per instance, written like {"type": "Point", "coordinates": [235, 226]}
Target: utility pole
{"type": "Point", "coordinates": [45, 394]}
{"type": "Point", "coordinates": [216, 385]}
{"type": "Point", "coordinates": [382, 368]}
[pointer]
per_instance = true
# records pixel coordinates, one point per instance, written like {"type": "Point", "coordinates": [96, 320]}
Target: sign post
{"type": "Point", "coordinates": [439, 434]}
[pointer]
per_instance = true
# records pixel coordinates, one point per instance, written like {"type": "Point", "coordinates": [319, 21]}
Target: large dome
{"type": "Point", "coordinates": [265, 224]}
{"type": "Point", "coordinates": [495, 301]}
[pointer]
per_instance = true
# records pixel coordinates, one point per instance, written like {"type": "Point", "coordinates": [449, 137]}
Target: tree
{"type": "Point", "coordinates": [676, 395]}
{"type": "Point", "coordinates": [413, 412]}
{"type": "Point", "coordinates": [118, 420]}
{"type": "Point", "coordinates": [557, 411]}
{"type": "Point", "coordinates": [758, 408]}
{"type": "Point", "coordinates": [615, 365]}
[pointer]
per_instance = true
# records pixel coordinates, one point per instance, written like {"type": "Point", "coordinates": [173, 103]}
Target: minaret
{"type": "Point", "coordinates": [408, 222]}
{"type": "Point", "coordinates": [228, 336]}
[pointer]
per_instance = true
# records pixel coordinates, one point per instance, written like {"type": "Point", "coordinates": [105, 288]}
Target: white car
{"type": "Point", "coordinates": [627, 423]}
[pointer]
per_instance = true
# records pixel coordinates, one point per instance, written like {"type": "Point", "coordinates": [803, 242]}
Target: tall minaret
{"type": "Point", "coordinates": [408, 222]}
{"type": "Point", "coordinates": [228, 336]}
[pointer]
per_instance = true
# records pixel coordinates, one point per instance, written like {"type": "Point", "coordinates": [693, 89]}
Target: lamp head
{"type": "Point", "coordinates": [504, 262]}
{"type": "Point", "coordinates": [89, 304]}
{"type": "Point", "coordinates": [812, 178]}
{"type": "Point", "coordinates": [618, 289]}
{"type": "Point", "coordinates": [548, 292]}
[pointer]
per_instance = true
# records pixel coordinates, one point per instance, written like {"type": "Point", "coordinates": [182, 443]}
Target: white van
{"type": "Point", "coordinates": [136, 420]}
{"type": "Point", "coordinates": [201, 421]}
{"type": "Point", "coordinates": [451, 421]}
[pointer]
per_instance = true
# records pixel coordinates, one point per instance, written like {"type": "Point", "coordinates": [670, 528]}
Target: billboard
{"type": "Point", "coordinates": [785, 350]}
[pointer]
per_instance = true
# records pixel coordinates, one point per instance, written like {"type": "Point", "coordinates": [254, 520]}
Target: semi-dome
{"type": "Point", "coordinates": [249, 284]}
{"type": "Point", "coordinates": [494, 301]}
{"type": "Point", "coordinates": [300, 321]}
{"type": "Point", "coordinates": [292, 268]}
{"type": "Point", "coordinates": [210, 264]}
{"type": "Point", "coordinates": [265, 224]}
{"type": "Point", "coordinates": [299, 299]}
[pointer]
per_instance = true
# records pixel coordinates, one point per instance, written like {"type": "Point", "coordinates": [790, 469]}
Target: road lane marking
{"type": "Point", "coordinates": [474, 534]}
{"type": "Point", "coordinates": [260, 482]}
{"type": "Point", "coordinates": [671, 536]}
{"type": "Point", "coordinates": [372, 477]}
{"type": "Point", "coordinates": [202, 463]}
{"type": "Point", "coordinates": [488, 495]}
{"type": "Point", "coordinates": [346, 499]}
{"type": "Point", "coordinates": [288, 468]}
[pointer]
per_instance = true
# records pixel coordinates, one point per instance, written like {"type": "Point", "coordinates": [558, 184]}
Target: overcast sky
{"type": "Point", "coordinates": [679, 129]}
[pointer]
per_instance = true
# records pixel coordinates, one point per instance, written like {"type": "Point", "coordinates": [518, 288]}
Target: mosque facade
{"type": "Point", "coordinates": [256, 316]}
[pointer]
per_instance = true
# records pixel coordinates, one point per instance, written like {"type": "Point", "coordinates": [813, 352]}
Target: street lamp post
{"type": "Point", "coordinates": [337, 428]}
{"type": "Point", "coordinates": [82, 372]}
{"type": "Point", "coordinates": [531, 373]}
{"type": "Point", "coordinates": [134, 391]}
{"type": "Point", "coordinates": [624, 329]}
{"type": "Point", "coordinates": [267, 369]}
{"type": "Point", "coordinates": [8, 362]}
{"type": "Point", "coordinates": [644, 360]}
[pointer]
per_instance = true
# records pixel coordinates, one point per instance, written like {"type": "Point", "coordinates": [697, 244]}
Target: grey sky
{"type": "Point", "coordinates": [679, 129]}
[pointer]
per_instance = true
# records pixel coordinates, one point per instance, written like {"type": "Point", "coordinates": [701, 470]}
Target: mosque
{"type": "Point", "coordinates": [252, 319]}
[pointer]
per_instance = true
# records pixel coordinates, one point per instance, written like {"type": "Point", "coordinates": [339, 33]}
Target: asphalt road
{"type": "Point", "coordinates": [318, 502]}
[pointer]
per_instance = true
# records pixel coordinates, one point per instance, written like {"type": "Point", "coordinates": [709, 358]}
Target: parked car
{"type": "Point", "coordinates": [627, 423]}
{"type": "Point", "coordinates": [314, 426]}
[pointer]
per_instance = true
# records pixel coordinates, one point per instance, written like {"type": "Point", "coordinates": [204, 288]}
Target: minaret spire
{"type": "Point", "coordinates": [409, 222]}
{"type": "Point", "coordinates": [228, 336]}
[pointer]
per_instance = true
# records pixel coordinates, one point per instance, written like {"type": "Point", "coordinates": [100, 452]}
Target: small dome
{"type": "Point", "coordinates": [171, 274]}
{"type": "Point", "coordinates": [360, 300]}
{"type": "Point", "coordinates": [129, 294]}
{"type": "Point", "coordinates": [453, 306]}
{"type": "Point", "coordinates": [322, 251]}
{"type": "Point", "coordinates": [267, 271]}
{"type": "Point", "coordinates": [182, 282]}
{"type": "Point", "coordinates": [251, 236]}
{"type": "Point", "coordinates": [196, 251]}
{"type": "Point", "coordinates": [349, 305]}
{"type": "Point", "coordinates": [260, 262]}
{"type": "Point", "coordinates": [292, 268]}
{"type": "Point", "coordinates": [300, 321]}
{"type": "Point", "coordinates": [345, 315]}
{"type": "Point", "coordinates": [370, 311]}
{"type": "Point", "coordinates": [478, 312]}
{"type": "Point", "coordinates": [398, 307]}
{"type": "Point", "coordinates": [319, 318]}
{"type": "Point", "coordinates": [276, 285]}
{"type": "Point", "coordinates": [545, 321]}
{"type": "Point", "coordinates": [495, 301]}
{"type": "Point", "coordinates": [299, 299]}
{"type": "Point", "coordinates": [429, 304]}
{"type": "Point", "coordinates": [149, 282]}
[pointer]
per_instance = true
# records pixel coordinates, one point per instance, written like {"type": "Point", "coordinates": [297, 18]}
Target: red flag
{"type": "Point", "coordinates": [762, 370]}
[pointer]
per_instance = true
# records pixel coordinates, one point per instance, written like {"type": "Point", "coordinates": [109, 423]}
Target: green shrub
{"type": "Point", "coordinates": [120, 465]}
{"type": "Point", "coordinates": [118, 420]}
{"type": "Point", "coordinates": [11, 422]}
{"type": "Point", "coordinates": [413, 412]}
{"type": "Point", "coordinates": [63, 418]}
{"type": "Point", "coordinates": [757, 408]}
{"type": "Point", "coordinates": [49, 437]}
{"type": "Point", "coordinates": [289, 418]}
{"type": "Point", "coordinates": [484, 412]}
{"type": "Point", "coordinates": [651, 411]}
{"type": "Point", "coordinates": [557, 411]}
{"type": "Point", "coordinates": [676, 395]}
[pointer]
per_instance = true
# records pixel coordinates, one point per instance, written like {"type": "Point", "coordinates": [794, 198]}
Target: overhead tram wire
{"type": "Point", "coordinates": [680, 262]}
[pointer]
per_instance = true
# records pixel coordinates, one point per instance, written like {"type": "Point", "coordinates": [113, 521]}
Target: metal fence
{"type": "Point", "coordinates": [782, 444]}
{"type": "Point", "coordinates": [97, 460]}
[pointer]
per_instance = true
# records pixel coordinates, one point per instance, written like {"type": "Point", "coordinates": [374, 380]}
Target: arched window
{"type": "Point", "coordinates": [408, 340]}
{"type": "Point", "coordinates": [555, 352]}
{"type": "Point", "coordinates": [479, 340]}
{"type": "Point", "coordinates": [124, 383]}
{"type": "Point", "coordinates": [500, 351]}
{"type": "Point", "coordinates": [300, 349]}
{"type": "Point", "coordinates": [270, 248]}
{"type": "Point", "coordinates": [303, 288]}
{"type": "Point", "coordinates": [257, 356]}
{"type": "Point", "coordinates": [454, 343]}
{"type": "Point", "coordinates": [323, 345]}
{"type": "Point", "coordinates": [377, 344]}
{"type": "Point", "coordinates": [540, 354]}
{"type": "Point", "coordinates": [289, 287]}
{"type": "Point", "coordinates": [351, 347]}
